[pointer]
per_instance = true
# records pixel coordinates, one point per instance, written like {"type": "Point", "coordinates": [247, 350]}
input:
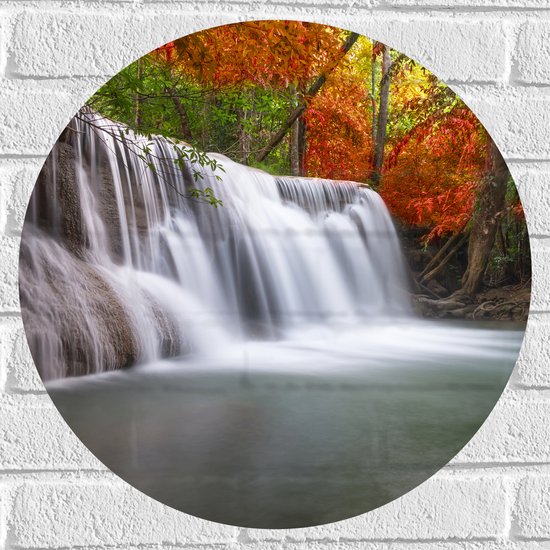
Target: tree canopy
{"type": "Point", "coordinates": [309, 99]}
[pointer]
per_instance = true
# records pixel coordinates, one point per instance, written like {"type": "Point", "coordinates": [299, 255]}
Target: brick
{"type": "Point", "coordinates": [3, 516]}
{"type": "Point", "coordinates": [62, 44]}
{"type": "Point", "coordinates": [533, 185]}
{"type": "Point", "coordinates": [345, 544]}
{"type": "Point", "coordinates": [9, 259]}
{"type": "Point", "coordinates": [269, 8]}
{"type": "Point", "coordinates": [56, 45]}
{"type": "Point", "coordinates": [16, 360]}
{"type": "Point", "coordinates": [31, 121]}
{"type": "Point", "coordinates": [420, 4]}
{"type": "Point", "coordinates": [532, 366]}
{"type": "Point", "coordinates": [3, 368]}
{"type": "Point", "coordinates": [518, 119]}
{"type": "Point", "coordinates": [33, 113]}
{"type": "Point", "coordinates": [61, 514]}
{"type": "Point", "coordinates": [465, 51]}
{"type": "Point", "coordinates": [173, 24]}
{"type": "Point", "coordinates": [16, 185]}
{"type": "Point", "coordinates": [540, 263]}
{"type": "Point", "coordinates": [532, 508]}
{"type": "Point", "coordinates": [3, 39]}
{"type": "Point", "coordinates": [33, 436]}
{"type": "Point", "coordinates": [532, 37]}
{"type": "Point", "coordinates": [516, 431]}
{"type": "Point", "coordinates": [442, 508]}
{"type": "Point", "coordinates": [3, 202]}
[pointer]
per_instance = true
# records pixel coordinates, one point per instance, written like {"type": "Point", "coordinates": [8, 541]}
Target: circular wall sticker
{"type": "Point", "coordinates": [274, 274]}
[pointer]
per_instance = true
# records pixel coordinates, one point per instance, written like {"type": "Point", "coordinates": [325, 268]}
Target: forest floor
{"type": "Point", "coordinates": [503, 298]}
{"type": "Point", "coordinates": [505, 303]}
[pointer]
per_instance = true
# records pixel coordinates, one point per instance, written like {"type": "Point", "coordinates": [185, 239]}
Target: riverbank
{"type": "Point", "coordinates": [505, 303]}
{"type": "Point", "coordinates": [436, 272]}
{"type": "Point", "coordinates": [327, 424]}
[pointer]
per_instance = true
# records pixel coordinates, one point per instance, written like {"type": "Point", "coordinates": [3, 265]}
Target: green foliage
{"type": "Point", "coordinates": [141, 96]}
{"type": "Point", "coordinates": [230, 89]}
{"type": "Point", "coordinates": [230, 121]}
{"type": "Point", "coordinates": [511, 256]}
{"type": "Point", "coordinates": [206, 195]}
{"type": "Point", "coordinates": [273, 168]}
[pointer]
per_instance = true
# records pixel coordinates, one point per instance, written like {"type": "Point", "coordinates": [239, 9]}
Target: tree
{"type": "Point", "coordinates": [339, 144]}
{"type": "Point", "coordinates": [290, 59]}
{"type": "Point", "coordinates": [382, 119]}
{"type": "Point", "coordinates": [489, 208]}
{"type": "Point", "coordinates": [309, 99]}
{"type": "Point", "coordinates": [311, 92]}
{"type": "Point", "coordinates": [431, 183]}
{"type": "Point", "coordinates": [298, 139]}
{"type": "Point", "coordinates": [270, 54]}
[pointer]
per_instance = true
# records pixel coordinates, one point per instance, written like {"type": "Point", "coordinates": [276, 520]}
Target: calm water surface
{"type": "Point", "coordinates": [300, 432]}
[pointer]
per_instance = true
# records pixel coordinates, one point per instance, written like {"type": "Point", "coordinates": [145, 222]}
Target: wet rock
{"type": "Point", "coordinates": [55, 202]}
{"type": "Point", "coordinates": [74, 324]}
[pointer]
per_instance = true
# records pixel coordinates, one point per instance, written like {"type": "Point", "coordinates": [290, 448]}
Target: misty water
{"type": "Point", "coordinates": [294, 433]}
{"type": "Point", "coordinates": [278, 376]}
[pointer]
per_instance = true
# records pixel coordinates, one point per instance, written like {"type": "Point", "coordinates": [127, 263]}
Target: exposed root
{"type": "Point", "coordinates": [501, 311]}
{"type": "Point", "coordinates": [509, 303]}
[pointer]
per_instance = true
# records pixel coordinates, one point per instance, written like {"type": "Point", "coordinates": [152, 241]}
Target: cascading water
{"type": "Point", "coordinates": [279, 378]}
{"type": "Point", "coordinates": [279, 254]}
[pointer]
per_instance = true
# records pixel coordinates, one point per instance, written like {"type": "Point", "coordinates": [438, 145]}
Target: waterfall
{"type": "Point", "coordinates": [121, 263]}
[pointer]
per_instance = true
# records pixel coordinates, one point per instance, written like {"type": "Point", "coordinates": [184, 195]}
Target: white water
{"type": "Point", "coordinates": [297, 387]}
{"type": "Point", "coordinates": [281, 253]}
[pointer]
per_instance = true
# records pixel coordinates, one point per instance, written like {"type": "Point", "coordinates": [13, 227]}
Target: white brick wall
{"type": "Point", "coordinates": [55, 494]}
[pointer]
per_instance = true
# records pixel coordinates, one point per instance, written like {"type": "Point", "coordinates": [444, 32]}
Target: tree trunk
{"type": "Point", "coordinates": [490, 206]}
{"type": "Point", "coordinates": [138, 115]}
{"type": "Point", "coordinates": [244, 138]}
{"type": "Point", "coordinates": [298, 147]}
{"type": "Point", "coordinates": [373, 101]}
{"type": "Point", "coordinates": [302, 144]}
{"type": "Point", "coordinates": [382, 117]}
{"type": "Point", "coordinates": [427, 277]}
{"type": "Point", "coordinates": [441, 253]}
{"type": "Point", "coordinates": [297, 137]}
{"type": "Point", "coordinates": [185, 130]}
{"type": "Point", "coordinates": [312, 91]}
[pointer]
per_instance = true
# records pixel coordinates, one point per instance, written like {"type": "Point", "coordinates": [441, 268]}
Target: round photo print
{"type": "Point", "coordinates": [274, 274]}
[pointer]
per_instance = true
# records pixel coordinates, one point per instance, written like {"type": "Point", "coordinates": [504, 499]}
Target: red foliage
{"type": "Point", "coordinates": [339, 144]}
{"type": "Point", "coordinates": [272, 54]}
{"type": "Point", "coordinates": [431, 174]}
{"type": "Point", "coordinates": [433, 181]}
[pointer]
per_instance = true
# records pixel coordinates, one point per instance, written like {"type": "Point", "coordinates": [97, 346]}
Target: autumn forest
{"type": "Point", "coordinates": [304, 99]}
{"type": "Point", "coordinates": [274, 274]}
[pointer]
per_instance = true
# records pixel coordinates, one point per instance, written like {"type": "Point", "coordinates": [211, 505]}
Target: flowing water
{"type": "Point", "coordinates": [279, 377]}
